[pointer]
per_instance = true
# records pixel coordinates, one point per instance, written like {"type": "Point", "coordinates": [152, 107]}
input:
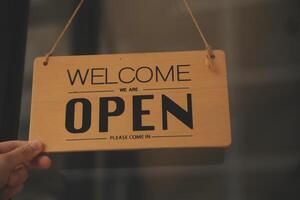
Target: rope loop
{"type": "Point", "coordinates": [210, 53]}
{"type": "Point", "coordinates": [50, 53]}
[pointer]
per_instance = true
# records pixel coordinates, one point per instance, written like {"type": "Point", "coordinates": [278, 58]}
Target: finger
{"type": "Point", "coordinates": [11, 145]}
{"type": "Point", "coordinates": [23, 154]}
{"type": "Point", "coordinates": [18, 177]}
{"type": "Point", "coordinates": [40, 162]}
{"type": "Point", "coordinates": [9, 192]}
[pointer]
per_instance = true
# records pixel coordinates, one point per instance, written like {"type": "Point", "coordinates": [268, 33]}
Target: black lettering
{"type": "Point", "coordinates": [106, 78]}
{"type": "Point", "coordinates": [95, 76]}
{"type": "Point", "coordinates": [170, 72]}
{"type": "Point", "coordinates": [70, 116]}
{"type": "Point", "coordinates": [78, 73]}
{"type": "Point", "coordinates": [120, 77]}
{"type": "Point", "coordinates": [179, 72]}
{"type": "Point", "coordinates": [105, 113]}
{"type": "Point", "coordinates": [138, 75]}
{"type": "Point", "coordinates": [184, 116]}
{"type": "Point", "coordinates": [138, 112]}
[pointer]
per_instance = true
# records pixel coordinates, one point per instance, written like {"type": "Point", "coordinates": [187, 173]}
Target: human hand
{"type": "Point", "coordinates": [16, 159]}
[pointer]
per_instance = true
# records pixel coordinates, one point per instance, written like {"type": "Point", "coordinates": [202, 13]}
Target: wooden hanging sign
{"type": "Point", "coordinates": [130, 101]}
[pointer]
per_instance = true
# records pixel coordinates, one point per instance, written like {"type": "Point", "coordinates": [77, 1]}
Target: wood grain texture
{"type": "Point", "coordinates": [52, 90]}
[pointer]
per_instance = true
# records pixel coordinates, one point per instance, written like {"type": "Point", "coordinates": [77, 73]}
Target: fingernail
{"type": "Point", "coordinates": [36, 145]}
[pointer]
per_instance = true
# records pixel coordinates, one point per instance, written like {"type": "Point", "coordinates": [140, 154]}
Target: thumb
{"type": "Point", "coordinates": [24, 154]}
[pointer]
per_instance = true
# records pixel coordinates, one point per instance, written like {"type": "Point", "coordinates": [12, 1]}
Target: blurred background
{"type": "Point", "coordinates": [261, 39]}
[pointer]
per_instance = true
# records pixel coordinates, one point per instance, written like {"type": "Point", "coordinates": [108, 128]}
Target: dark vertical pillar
{"type": "Point", "coordinates": [86, 29]}
{"type": "Point", "coordinates": [84, 41]}
{"type": "Point", "coordinates": [13, 25]}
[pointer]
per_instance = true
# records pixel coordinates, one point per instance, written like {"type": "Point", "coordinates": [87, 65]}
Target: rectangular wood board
{"type": "Point", "coordinates": [130, 101]}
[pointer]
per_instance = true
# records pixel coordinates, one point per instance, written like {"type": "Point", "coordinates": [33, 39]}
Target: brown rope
{"type": "Point", "coordinates": [63, 32]}
{"type": "Point", "coordinates": [210, 54]}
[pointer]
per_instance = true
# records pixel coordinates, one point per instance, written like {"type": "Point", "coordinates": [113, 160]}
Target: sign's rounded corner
{"type": "Point", "coordinates": [220, 51]}
{"type": "Point", "coordinates": [37, 61]}
{"type": "Point", "coordinates": [228, 143]}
